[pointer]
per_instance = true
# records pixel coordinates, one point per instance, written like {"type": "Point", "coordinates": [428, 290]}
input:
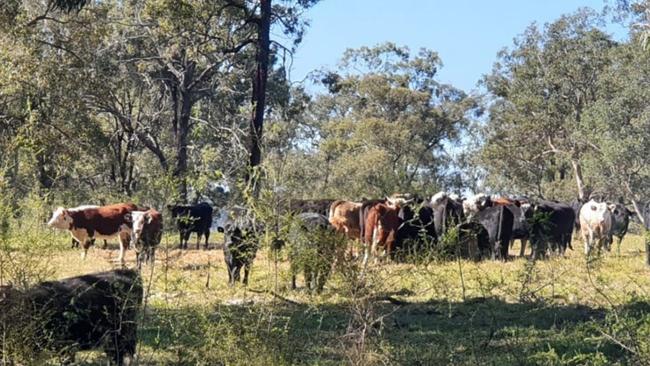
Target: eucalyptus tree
{"type": "Point", "coordinates": [384, 121]}
{"type": "Point", "coordinates": [541, 89]}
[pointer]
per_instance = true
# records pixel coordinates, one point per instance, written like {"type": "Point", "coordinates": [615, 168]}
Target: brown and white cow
{"type": "Point", "coordinates": [380, 230]}
{"type": "Point", "coordinates": [595, 225]}
{"type": "Point", "coordinates": [146, 232]}
{"type": "Point", "coordinates": [105, 222]}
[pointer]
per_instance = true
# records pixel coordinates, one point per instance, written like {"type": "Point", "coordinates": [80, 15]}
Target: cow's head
{"type": "Point", "coordinates": [439, 199]}
{"type": "Point", "coordinates": [476, 203]}
{"type": "Point", "coordinates": [61, 219]}
{"type": "Point", "coordinates": [138, 220]}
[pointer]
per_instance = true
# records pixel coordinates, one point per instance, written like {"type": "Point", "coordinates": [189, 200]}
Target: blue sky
{"type": "Point", "coordinates": [467, 34]}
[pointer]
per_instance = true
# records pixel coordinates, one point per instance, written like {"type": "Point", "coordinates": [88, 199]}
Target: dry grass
{"type": "Point", "coordinates": [549, 312]}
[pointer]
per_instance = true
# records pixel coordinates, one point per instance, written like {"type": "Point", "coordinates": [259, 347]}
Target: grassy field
{"type": "Point", "coordinates": [552, 312]}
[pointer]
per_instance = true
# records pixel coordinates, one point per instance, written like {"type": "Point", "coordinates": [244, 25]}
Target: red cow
{"type": "Point", "coordinates": [380, 229]}
{"type": "Point", "coordinates": [104, 222]}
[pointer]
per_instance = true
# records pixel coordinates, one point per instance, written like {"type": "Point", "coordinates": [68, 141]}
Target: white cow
{"type": "Point", "coordinates": [595, 224]}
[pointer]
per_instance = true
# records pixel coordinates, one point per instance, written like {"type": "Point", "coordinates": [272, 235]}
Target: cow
{"type": "Point", "coordinates": [344, 217]}
{"type": "Point", "coordinates": [620, 223]}
{"type": "Point", "coordinates": [103, 222]}
{"type": "Point", "coordinates": [146, 232]}
{"type": "Point", "coordinates": [498, 221]}
{"type": "Point", "coordinates": [550, 223]}
{"type": "Point", "coordinates": [416, 230]}
{"type": "Point", "coordinates": [380, 227]}
{"type": "Point", "coordinates": [240, 235]}
{"type": "Point", "coordinates": [595, 225]}
{"type": "Point", "coordinates": [313, 247]}
{"type": "Point", "coordinates": [447, 211]}
{"type": "Point", "coordinates": [192, 219]}
{"type": "Point", "coordinates": [520, 227]}
{"type": "Point", "coordinates": [87, 312]}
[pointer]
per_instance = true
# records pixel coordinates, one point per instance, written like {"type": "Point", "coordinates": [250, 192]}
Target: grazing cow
{"type": "Point", "coordinates": [551, 223]}
{"type": "Point", "coordinates": [447, 211]}
{"type": "Point", "coordinates": [240, 246]}
{"type": "Point", "coordinates": [416, 231]}
{"type": "Point", "coordinates": [380, 229]}
{"type": "Point", "coordinates": [498, 221]}
{"type": "Point", "coordinates": [313, 246]}
{"type": "Point", "coordinates": [80, 313]}
{"type": "Point", "coordinates": [103, 222]}
{"type": "Point", "coordinates": [192, 219]}
{"type": "Point", "coordinates": [620, 223]}
{"type": "Point", "coordinates": [595, 225]}
{"type": "Point", "coordinates": [146, 233]}
{"type": "Point", "coordinates": [320, 206]}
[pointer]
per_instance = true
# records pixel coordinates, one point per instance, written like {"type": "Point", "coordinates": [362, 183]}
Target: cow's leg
{"type": "Point", "coordinates": [618, 245]}
{"type": "Point", "coordinates": [105, 244]}
{"type": "Point", "coordinates": [246, 270]}
{"type": "Point", "coordinates": [230, 269]}
{"type": "Point", "coordinates": [124, 240]}
{"type": "Point", "coordinates": [207, 237]}
{"type": "Point", "coordinates": [522, 251]}
{"type": "Point", "coordinates": [198, 240]}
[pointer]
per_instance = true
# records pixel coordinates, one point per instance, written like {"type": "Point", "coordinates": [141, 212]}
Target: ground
{"type": "Point", "coordinates": [557, 311]}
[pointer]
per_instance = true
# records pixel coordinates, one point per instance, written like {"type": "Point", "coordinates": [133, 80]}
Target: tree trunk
{"type": "Point", "coordinates": [577, 171]}
{"type": "Point", "coordinates": [259, 83]}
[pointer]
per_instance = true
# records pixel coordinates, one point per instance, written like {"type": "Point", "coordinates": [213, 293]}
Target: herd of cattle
{"type": "Point", "coordinates": [99, 310]}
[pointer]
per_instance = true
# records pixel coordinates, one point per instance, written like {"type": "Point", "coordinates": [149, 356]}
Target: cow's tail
{"type": "Point", "coordinates": [362, 223]}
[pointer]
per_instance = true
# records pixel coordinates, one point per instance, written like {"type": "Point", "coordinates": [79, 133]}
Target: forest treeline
{"type": "Point", "coordinates": [154, 101]}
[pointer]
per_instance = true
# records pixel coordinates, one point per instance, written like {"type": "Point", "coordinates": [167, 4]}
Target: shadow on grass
{"type": "Point", "coordinates": [478, 331]}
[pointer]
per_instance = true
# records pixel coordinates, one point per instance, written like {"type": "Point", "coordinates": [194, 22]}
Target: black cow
{"type": "Point", "coordinates": [447, 212]}
{"type": "Point", "coordinates": [80, 313]}
{"type": "Point", "coordinates": [192, 219]}
{"type": "Point", "coordinates": [417, 230]}
{"type": "Point", "coordinates": [240, 246]}
{"type": "Point", "coordinates": [498, 221]}
{"type": "Point", "coordinates": [551, 223]}
{"type": "Point", "coordinates": [620, 223]}
{"type": "Point", "coordinates": [520, 226]}
{"type": "Point", "coordinates": [313, 246]}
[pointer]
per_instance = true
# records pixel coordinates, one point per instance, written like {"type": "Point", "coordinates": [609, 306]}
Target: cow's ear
{"type": "Point", "coordinates": [517, 203]}
{"type": "Point", "coordinates": [128, 218]}
{"type": "Point", "coordinates": [148, 217]}
{"type": "Point", "coordinates": [220, 229]}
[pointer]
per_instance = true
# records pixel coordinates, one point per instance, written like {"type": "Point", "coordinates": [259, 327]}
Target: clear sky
{"type": "Point", "coordinates": [467, 34]}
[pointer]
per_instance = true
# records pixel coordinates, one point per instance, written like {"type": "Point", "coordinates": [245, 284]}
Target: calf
{"type": "Point", "coordinates": [595, 225]}
{"type": "Point", "coordinates": [80, 313]}
{"type": "Point", "coordinates": [146, 233]}
{"type": "Point", "coordinates": [103, 222]}
{"type": "Point", "coordinates": [192, 219]}
{"type": "Point", "coordinates": [240, 247]}
{"type": "Point", "coordinates": [313, 246]}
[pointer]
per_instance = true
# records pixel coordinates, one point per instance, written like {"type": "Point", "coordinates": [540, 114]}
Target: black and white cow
{"type": "Point", "coordinates": [192, 219]}
{"type": "Point", "coordinates": [620, 223]}
{"type": "Point", "coordinates": [93, 311]}
{"type": "Point", "coordinates": [447, 211]}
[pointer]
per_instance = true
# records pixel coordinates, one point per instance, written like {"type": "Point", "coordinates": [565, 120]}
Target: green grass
{"type": "Point", "coordinates": [560, 311]}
